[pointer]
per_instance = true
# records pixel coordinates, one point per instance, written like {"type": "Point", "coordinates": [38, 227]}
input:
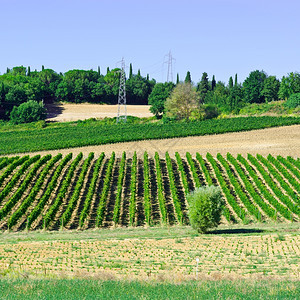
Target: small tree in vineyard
{"type": "Point", "coordinates": [205, 207]}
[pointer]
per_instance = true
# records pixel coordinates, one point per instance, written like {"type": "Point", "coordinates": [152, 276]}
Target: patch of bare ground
{"type": "Point", "coordinates": [65, 112]}
{"type": "Point", "coordinates": [276, 141]}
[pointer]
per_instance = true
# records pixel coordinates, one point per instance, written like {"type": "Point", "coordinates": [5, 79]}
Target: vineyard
{"type": "Point", "coordinates": [50, 136]}
{"type": "Point", "coordinates": [45, 192]}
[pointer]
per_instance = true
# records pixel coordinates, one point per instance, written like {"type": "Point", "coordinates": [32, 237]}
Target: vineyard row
{"type": "Point", "coordinates": [98, 191]}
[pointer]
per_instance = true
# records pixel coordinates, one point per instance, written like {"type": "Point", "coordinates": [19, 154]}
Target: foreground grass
{"type": "Point", "coordinates": [95, 289]}
{"type": "Point", "coordinates": [156, 232]}
{"type": "Point", "coordinates": [79, 134]}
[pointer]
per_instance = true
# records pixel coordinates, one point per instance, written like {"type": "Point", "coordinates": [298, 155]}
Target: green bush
{"type": "Point", "coordinates": [27, 112]}
{"type": "Point", "coordinates": [211, 111]}
{"type": "Point", "coordinates": [293, 101]}
{"type": "Point", "coordinates": [205, 207]}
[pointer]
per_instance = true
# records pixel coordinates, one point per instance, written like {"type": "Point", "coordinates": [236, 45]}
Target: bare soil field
{"type": "Point", "coordinates": [65, 112]}
{"type": "Point", "coordinates": [276, 141]}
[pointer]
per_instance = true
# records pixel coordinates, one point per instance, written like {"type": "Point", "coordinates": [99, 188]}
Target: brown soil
{"type": "Point", "coordinates": [64, 112]}
{"type": "Point", "coordinates": [276, 141]}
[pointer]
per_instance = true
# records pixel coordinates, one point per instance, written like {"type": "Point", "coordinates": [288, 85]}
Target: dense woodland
{"type": "Point", "coordinates": [20, 84]}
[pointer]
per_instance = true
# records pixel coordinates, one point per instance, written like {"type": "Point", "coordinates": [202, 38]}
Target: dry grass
{"type": "Point", "coordinates": [234, 256]}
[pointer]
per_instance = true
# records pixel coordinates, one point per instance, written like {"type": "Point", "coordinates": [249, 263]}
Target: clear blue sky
{"type": "Point", "coordinates": [220, 37]}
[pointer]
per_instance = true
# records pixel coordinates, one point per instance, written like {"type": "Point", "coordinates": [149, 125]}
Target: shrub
{"type": "Point", "coordinates": [293, 101]}
{"type": "Point", "coordinates": [205, 207]}
{"type": "Point", "coordinates": [27, 112]}
{"type": "Point", "coordinates": [211, 111]}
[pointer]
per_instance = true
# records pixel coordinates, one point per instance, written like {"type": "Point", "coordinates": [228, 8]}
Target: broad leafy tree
{"type": "Point", "coordinates": [289, 85]}
{"type": "Point", "coordinates": [182, 102]}
{"type": "Point", "coordinates": [158, 97]}
{"type": "Point", "coordinates": [253, 86]}
{"type": "Point", "coordinates": [271, 88]}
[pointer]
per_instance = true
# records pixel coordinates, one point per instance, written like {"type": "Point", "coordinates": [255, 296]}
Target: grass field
{"type": "Point", "coordinates": [95, 289]}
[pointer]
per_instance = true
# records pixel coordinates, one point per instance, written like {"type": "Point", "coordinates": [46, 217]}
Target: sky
{"type": "Point", "coordinates": [220, 37]}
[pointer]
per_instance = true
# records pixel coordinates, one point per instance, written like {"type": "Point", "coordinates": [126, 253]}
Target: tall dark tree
{"type": "Point", "coordinates": [203, 87]}
{"type": "Point", "coordinates": [28, 71]}
{"type": "Point", "coordinates": [130, 70]}
{"type": "Point", "coordinates": [235, 80]}
{"type": "Point", "coordinates": [7, 70]}
{"type": "Point", "coordinates": [230, 83]}
{"type": "Point", "coordinates": [147, 77]}
{"type": "Point", "coordinates": [213, 83]}
{"type": "Point", "coordinates": [253, 86]}
{"type": "Point", "coordinates": [107, 70]}
{"type": "Point", "coordinates": [139, 72]}
{"type": "Point", "coordinates": [43, 67]}
{"type": "Point", "coordinates": [177, 79]}
{"type": "Point", "coordinates": [99, 73]}
{"type": "Point", "coordinates": [188, 78]}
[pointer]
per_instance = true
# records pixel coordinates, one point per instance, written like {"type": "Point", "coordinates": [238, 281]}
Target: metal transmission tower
{"type": "Point", "coordinates": [122, 110]}
{"type": "Point", "coordinates": [169, 61]}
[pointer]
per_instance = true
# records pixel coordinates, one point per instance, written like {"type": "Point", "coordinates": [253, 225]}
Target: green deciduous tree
{"type": "Point", "coordinates": [205, 208]}
{"type": "Point", "coordinates": [253, 86]}
{"type": "Point", "coordinates": [182, 102]}
{"type": "Point", "coordinates": [293, 101]}
{"type": "Point", "coordinates": [289, 85]}
{"type": "Point", "coordinates": [27, 112]}
{"type": "Point", "coordinates": [158, 97]}
{"type": "Point", "coordinates": [271, 88]}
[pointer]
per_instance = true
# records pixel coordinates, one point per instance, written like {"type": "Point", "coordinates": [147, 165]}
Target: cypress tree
{"type": "Point", "coordinates": [28, 71]}
{"type": "Point", "coordinates": [99, 71]}
{"type": "Point", "coordinates": [235, 80]}
{"type": "Point", "coordinates": [7, 70]}
{"type": "Point", "coordinates": [177, 79]}
{"type": "Point", "coordinates": [43, 67]}
{"type": "Point", "coordinates": [147, 77]}
{"type": "Point", "coordinates": [230, 84]}
{"type": "Point", "coordinates": [130, 70]}
{"type": "Point", "coordinates": [107, 70]}
{"type": "Point", "coordinates": [139, 72]}
{"type": "Point", "coordinates": [213, 83]}
{"type": "Point", "coordinates": [203, 87]}
{"type": "Point", "coordinates": [188, 78]}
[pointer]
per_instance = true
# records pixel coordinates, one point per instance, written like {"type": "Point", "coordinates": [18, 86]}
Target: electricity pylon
{"type": "Point", "coordinates": [169, 61]}
{"type": "Point", "coordinates": [122, 110]}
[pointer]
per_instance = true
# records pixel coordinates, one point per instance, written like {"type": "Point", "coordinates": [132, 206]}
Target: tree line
{"type": "Point", "coordinates": [20, 85]}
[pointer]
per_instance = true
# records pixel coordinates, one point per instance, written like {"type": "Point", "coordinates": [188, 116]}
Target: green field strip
{"type": "Point", "coordinates": [69, 136]}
